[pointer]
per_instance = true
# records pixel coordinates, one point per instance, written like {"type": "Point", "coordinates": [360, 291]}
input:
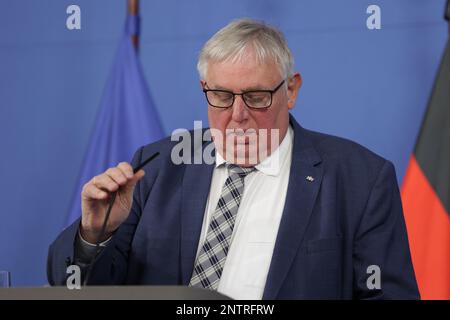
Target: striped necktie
{"type": "Point", "coordinates": [211, 257]}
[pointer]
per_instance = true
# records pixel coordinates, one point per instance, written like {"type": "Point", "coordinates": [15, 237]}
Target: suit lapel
{"type": "Point", "coordinates": [195, 189]}
{"type": "Point", "coordinates": [300, 199]}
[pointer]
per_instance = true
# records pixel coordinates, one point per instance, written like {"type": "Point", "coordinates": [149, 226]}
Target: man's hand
{"type": "Point", "coordinates": [95, 199]}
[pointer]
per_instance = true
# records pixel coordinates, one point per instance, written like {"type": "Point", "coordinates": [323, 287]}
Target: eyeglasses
{"type": "Point", "coordinates": [255, 99]}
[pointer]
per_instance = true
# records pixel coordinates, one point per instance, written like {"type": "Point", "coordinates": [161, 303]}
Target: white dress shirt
{"type": "Point", "coordinates": [258, 218]}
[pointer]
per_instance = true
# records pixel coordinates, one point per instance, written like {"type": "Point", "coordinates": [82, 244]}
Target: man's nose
{"type": "Point", "coordinates": [240, 111]}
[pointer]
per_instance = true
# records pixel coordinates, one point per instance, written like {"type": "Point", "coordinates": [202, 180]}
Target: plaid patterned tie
{"type": "Point", "coordinates": [211, 257]}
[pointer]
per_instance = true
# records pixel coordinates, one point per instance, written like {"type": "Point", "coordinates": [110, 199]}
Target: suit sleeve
{"type": "Point", "coordinates": [381, 246]}
{"type": "Point", "coordinates": [110, 267]}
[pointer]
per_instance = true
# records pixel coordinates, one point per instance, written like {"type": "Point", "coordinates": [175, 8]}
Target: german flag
{"type": "Point", "coordinates": [426, 191]}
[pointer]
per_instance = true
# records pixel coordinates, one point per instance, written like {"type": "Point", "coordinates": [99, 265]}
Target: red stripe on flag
{"type": "Point", "coordinates": [428, 226]}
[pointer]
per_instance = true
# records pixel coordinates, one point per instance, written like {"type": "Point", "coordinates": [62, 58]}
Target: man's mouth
{"type": "Point", "coordinates": [240, 137]}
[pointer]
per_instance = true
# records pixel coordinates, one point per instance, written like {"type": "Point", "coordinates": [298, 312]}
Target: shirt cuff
{"type": "Point", "coordinates": [85, 251]}
{"type": "Point", "coordinates": [88, 244]}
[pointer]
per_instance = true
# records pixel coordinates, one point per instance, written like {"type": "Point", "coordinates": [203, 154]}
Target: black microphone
{"type": "Point", "coordinates": [105, 221]}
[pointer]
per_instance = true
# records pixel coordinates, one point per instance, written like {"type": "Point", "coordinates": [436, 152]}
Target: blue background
{"type": "Point", "coordinates": [371, 86]}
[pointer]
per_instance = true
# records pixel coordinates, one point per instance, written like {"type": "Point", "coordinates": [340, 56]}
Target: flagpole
{"type": "Point", "coordinates": [447, 14]}
{"type": "Point", "coordinates": [133, 10]}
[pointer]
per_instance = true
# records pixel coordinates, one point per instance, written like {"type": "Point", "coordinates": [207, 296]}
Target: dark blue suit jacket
{"type": "Point", "coordinates": [331, 231]}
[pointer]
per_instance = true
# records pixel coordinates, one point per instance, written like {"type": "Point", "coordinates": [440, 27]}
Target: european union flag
{"type": "Point", "coordinates": [126, 120]}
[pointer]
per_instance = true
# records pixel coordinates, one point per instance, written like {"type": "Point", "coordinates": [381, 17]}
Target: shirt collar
{"type": "Point", "coordinates": [272, 164]}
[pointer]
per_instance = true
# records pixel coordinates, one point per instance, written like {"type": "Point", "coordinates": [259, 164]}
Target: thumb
{"type": "Point", "coordinates": [137, 176]}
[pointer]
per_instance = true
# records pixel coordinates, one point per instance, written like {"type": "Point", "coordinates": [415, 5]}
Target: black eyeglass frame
{"type": "Point", "coordinates": [205, 91]}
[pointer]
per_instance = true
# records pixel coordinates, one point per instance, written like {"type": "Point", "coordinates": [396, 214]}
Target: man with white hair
{"type": "Point", "coordinates": [281, 212]}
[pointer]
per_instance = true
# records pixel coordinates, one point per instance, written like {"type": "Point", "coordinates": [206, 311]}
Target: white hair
{"type": "Point", "coordinates": [231, 44]}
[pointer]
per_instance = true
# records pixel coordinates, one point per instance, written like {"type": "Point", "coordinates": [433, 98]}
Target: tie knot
{"type": "Point", "coordinates": [241, 171]}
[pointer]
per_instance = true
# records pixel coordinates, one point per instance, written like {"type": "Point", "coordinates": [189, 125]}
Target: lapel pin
{"type": "Point", "coordinates": [310, 179]}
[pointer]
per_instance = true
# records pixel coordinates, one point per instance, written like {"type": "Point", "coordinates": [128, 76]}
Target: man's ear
{"type": "Point", "coordinates": [202, 84]}
{"type": "Point", "coordinates": [294, 84]}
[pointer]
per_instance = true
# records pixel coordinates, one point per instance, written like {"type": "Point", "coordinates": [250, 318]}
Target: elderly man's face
{"type": "Point", "coordinates": [238, 77]}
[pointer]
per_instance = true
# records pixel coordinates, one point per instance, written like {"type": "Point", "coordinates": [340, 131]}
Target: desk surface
{"type": "Point", "coordinates": [111, 293]}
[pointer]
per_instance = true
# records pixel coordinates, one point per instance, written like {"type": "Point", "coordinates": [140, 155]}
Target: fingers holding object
{"type": "Point", "coordinates": [105, 182]}
{"type": "Point", "coordinates": [126, 169]}
{"type": "Point", "coordinates": [111, 180]}
{"type": "Point", "coordinates": [91, 192]}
